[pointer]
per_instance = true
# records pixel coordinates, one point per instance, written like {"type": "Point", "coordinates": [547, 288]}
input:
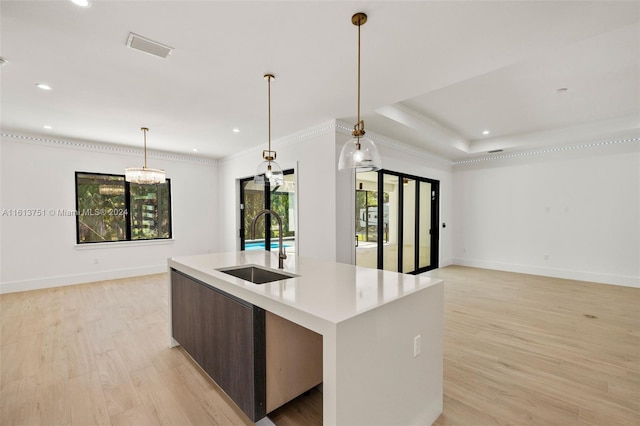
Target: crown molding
{"type": "Point", "coordinates": [108, 148]}
{"type": "Point", "coordinates": [320, 129]}
{"type": "Point", "coordinates": [323, 128]}
{"type": "Point", "coordinates": [509, 155]}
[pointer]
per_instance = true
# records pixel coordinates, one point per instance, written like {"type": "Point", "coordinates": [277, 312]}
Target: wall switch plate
{"type": "Point", "coordinates": [416, 345]}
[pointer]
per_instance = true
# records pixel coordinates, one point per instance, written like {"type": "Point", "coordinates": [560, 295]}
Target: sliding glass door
{"type": "Point", "coordinates": [282, 200]}
{"type": "Point", "coordinates": [401, 210]}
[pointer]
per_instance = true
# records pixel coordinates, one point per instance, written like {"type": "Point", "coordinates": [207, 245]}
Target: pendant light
{"type": "Point", "coordinates": [144, 175]}
{"type": "Point", "coordinates": [268, 168]}
{"type": "Point", "coordinates": [360, 153]}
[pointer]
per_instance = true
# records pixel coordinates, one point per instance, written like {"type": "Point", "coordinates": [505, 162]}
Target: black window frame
{"type": "Point", "coordinates": [127, 211]}
{"type": "Point", "coordinates": [435, 220]}
{"type": "Point", "coordinates": [267, 205]}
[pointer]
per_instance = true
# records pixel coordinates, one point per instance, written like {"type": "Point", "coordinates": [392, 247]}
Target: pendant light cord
{"type": "Point", "coordinates": [269, 96]}
{"type": "Point", "coordinates": [144, 130]}
{"type": "Point", "coordinates": [359, 19]}
{"type": "Point", "coordinates": [359, 25]}
{"type": "Point", "coordinates": [269, 155]}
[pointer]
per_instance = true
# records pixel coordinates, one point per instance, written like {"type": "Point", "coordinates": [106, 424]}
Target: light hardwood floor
{"type": "Point", "coordinates": [518, 349]}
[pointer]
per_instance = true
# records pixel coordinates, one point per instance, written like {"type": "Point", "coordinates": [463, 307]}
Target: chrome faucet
{"type": "Point", "coordinates": [282, 255]}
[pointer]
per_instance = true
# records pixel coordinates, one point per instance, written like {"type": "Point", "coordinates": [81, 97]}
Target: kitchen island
{"type": "Point", "coordinates": [381, 332]}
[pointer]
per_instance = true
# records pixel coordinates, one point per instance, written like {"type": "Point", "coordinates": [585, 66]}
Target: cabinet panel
{"type": "Point", "coordinates": [225, 336]}
{"type": "Point", "coordinates": [187, 297]}
{"type": "Point", "coordinates": [294, 360]}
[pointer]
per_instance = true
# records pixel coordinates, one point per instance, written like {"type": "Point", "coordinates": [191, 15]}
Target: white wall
{"type": "Point", "coordinates": [40, 252]}
{"type": "Point", "coordinates": [579, 208]}
{"type": "Point", "coordinates": [325, 196]}
{"type": "Point", "coordinates": [311, 154]}
{"type": "Point", "coordinates": [569, 214]}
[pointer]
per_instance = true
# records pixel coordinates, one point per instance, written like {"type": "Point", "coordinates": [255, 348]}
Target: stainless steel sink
{"type": "Point", "coordinates": [256, 274]}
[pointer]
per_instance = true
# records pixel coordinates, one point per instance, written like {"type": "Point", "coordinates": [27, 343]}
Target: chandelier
{"type": "Point", "coordinates": [144, 175]}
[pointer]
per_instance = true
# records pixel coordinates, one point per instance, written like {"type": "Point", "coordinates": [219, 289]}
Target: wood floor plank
{"type": "Point", "coordinates": [219, 407]}
{"type": "Point", "coordinates": [131, 350]}
{"type": "Point", "coordinates": [186, 398]}
{"type": "Point", "coordinates": [518, 350]}
{"type": "Point", "coordinates": [53, 343]}
{"type": "Point", "coordinates": [117, 386]}
{"type": "Point", "coordinates": [53, 402]}
{"type": "Point", "coordinates": [89, 406]}
{"type": "Point", "coordinates": [19, 407]}
{"type": "Point", "coordinates": [161, 403]}
{"type": "Point", "coordinates": [457, 412]}
{"type": "Point", "coordinates": [136, 416]}
{"type": "Point", "coordinates": [79, 348]}
{"type": "Point", "coordinates": [539, 347]}
{"type": "Point", "coordinates": [20, 360]}
{"type": "Point", "coordinates": [101, 337]}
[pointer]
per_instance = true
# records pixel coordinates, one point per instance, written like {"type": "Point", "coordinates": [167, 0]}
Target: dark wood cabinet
{"type": "Point", "coordinates": [225, 336]}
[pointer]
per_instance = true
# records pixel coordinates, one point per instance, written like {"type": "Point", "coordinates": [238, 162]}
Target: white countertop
{"type": "Point", "coordinates": [327, 291]}
{"type": "Point", "coordinates": [367, 318]}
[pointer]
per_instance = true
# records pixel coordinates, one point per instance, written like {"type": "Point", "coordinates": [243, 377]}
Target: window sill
{"type": "Point", "coordinates": [121, 244]}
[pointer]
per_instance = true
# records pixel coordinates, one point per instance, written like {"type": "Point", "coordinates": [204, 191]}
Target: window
{"type": "Point", "coordinates": [282, 200]}
{"type": "Point", "coordinates": [110, 209]}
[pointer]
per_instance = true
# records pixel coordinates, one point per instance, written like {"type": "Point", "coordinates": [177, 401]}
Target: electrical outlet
{"type": "Point", "coordinates": [416, 345]}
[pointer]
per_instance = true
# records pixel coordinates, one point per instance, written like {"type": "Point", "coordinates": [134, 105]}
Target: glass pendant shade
{"type": "Point", "coordinates": [361, 154]}
{"type": "Point", "coordinates": [144, 175]}
{"type": "Point", "coordinates": [270, 171]}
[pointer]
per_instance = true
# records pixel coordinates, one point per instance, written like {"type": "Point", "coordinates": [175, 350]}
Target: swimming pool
{"type": "Point", "coordinates": [260, 245]}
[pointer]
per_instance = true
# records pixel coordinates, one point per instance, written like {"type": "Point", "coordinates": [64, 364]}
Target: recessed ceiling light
{"type": "Point", "coordinates": [46, 126]}
{"type": "Point", "coordinates": [195, 149]}
{"type": "Point", "coordinates": [236, 130]}
{"type": "Point", "coordinates": [485, 132]}
{"type": "Point", "coordinates": [43, 86]}
{"type": "Point", "coordinates": [82, 3]}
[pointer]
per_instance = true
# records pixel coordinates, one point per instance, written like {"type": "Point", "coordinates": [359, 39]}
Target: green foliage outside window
{"type": "Point", "coordinates": [367, 214]}
{"type": "Point", "coordinates": [281, 201]}
{"type": "Point", "coordinates": [150, 218]}
{"type": "Point", "coordinates": [110, 209]}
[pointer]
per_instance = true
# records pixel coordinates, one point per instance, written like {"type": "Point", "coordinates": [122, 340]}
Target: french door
{"type": "Point", "coordinates": [397, 222]}
{"type": "Point", "coordinates": [281, 199]}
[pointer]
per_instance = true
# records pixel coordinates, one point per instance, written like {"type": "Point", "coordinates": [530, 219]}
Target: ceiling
{"type": "Point", "coordinates": [435, 75]}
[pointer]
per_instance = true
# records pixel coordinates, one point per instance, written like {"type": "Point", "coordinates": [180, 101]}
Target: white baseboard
{"type": "Point", "coordinates": [622, 280]}
{"type": "Point", "coordinates": [445, 262]}
{"type": "Point", "coordinates": [59, 281]}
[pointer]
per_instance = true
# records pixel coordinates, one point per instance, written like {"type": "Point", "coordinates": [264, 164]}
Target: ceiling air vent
{"type": "Point", "coordinates": [151, 47]}
{"type": "Point", "coordinates": [494, 151]}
